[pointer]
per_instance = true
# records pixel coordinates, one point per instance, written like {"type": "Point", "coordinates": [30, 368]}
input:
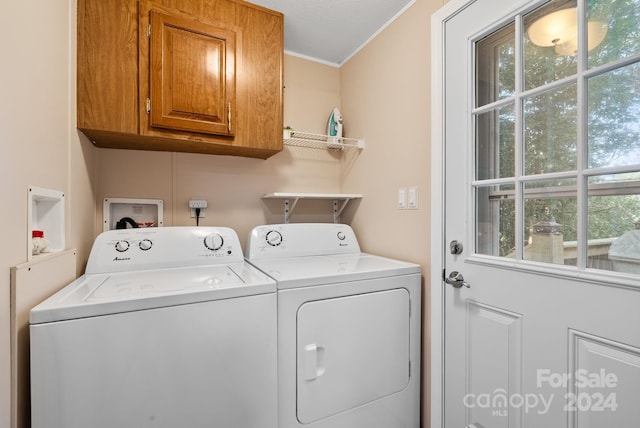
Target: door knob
{"type": "Point", "coordinates": [457, 280]}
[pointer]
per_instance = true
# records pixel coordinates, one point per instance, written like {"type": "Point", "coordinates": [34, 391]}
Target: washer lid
{"type": "Point", "coordinates": [294, 272]}
{"type": "Point", "coordinates": [141, 284]}
{"type": "Point", "coordinates": [110, 293]}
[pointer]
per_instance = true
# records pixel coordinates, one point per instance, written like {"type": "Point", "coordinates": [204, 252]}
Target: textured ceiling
{"type": "Point", "coordinates": [332, 30]}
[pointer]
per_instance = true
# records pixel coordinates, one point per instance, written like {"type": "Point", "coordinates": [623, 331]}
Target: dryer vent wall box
{"type": "Point", "coordinates": [127, 212]}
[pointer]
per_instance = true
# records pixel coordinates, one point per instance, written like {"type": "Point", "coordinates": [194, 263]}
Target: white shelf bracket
{"type": "Point", "coordinates": [288, 208]}
{"type": "Point", "coordinates": [337, 209]}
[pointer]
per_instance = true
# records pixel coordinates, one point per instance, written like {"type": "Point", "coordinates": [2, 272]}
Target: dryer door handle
{"type": "Point", "coordinates": [313, 363]}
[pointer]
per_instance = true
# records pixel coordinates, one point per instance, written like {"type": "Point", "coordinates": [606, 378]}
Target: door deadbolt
{"type": "Point", "coordinates": [455, 247]}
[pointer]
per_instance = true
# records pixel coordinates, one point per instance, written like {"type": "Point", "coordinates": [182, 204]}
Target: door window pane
{"type": "Point", "coordinates": [614, 118]}
{"type": "Point", "coordinates": [613, 30]}
{"type": "Point", "coordinates": [495, 220]}
{"type": "Point", "coordinates": [550, 36]}
{"type": "Point", "coordinates": [495, 66]}
{"type": "Point", "coordinates": [528, 137]}
{"type": "Point", "coordinates": [614, 222]}
{"type": "Point", "coordinates": [549, 219]}
{"type": "Point", "coordinates": [550, 131]}
{"type": "Point", "coordinates": [495, 143]}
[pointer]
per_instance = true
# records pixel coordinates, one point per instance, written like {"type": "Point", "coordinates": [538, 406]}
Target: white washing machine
{"type": "Point", "coordinates": [348, 329]}
{"type": "Point", "coordinates": [169, 327]}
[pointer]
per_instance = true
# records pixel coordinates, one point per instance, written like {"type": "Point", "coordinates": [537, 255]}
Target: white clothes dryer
{"type": "Point", "coordinates": [348, 328]}
{"type": "Point", "coordinates": [169, 327]}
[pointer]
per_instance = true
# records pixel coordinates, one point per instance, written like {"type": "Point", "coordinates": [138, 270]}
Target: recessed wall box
{"type": "Point", "coordinates": [45, 212]}
{"type": "Point", "coordinates": [141, 212]}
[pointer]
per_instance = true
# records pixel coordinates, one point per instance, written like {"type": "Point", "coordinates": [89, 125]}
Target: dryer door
{"type": "Point", "coordinates": [351, 350]}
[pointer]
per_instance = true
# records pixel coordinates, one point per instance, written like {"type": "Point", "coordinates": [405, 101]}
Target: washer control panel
{"type": "Point", "coordinates": [301, 239]}
{"type": "Point", "coordinates": [163, 247]}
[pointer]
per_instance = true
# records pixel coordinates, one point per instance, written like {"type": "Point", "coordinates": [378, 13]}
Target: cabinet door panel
{"type": "Point", "coordinates": [107, 66]}
{"type": "Point", "coordinates": [192, 75]}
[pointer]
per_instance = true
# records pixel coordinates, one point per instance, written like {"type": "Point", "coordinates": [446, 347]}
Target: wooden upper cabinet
{"type": "Point", "coordinates": [192, 75]}
{"type": "Point", "coordinates": [202, 76]}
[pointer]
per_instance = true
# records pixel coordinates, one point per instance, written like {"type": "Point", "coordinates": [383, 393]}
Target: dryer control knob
{"type": "Point", "coordinates": [122, 246]}
{"type": "Point", "coordinates": [145, 244]}
{"type": "Point", "coordinates": [274, 238]}
{"type": "Point", "coordinates": [213, 241]}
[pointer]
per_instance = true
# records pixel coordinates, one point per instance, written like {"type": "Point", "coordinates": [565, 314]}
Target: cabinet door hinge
{"type": "Point", "coordinates": [149, 31]}
{"type": "Point", "coordinates": [229, 117]}
{"type": "Point", "coordinates": [148, 105]}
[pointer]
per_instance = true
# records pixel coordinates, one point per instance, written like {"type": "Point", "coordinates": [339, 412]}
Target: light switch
{"type": "Point", "coordinates": [412, 198]}
{"type": "Point", "coordinates": [402, 198]}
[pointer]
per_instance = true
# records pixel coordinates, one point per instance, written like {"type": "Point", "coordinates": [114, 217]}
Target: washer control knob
{"type": "Point", "coordinates": [274, 238]}
{"type": "Point", "coordinates": [122, 246]}
{"type": "Point", "coordinates": [342, 236]}
{"type": "Point", "coordinates": [213, 241]}
{"type": "Point", "coordinates": [145, 244]}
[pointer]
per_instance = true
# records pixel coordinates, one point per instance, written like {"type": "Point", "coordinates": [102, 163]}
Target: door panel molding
{"type": "Point", "coordinates": [601, 368]}
{"type": "Point", "coordinates": [503, 328]}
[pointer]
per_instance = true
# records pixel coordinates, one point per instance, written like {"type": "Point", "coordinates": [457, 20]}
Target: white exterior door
{"type": "Point", "coordinates": [537, 144]}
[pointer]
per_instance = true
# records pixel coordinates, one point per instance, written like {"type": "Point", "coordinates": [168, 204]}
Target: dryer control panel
{"type": "Point", "coordinates": [301, 239]}
{"type": "Point", "coordinates": [163, 247]}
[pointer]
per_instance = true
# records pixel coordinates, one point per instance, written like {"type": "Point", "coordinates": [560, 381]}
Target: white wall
{"type": "Point", "coordinates": [38, 142]}
{"type": "Point", "coordinates": [386, 99]}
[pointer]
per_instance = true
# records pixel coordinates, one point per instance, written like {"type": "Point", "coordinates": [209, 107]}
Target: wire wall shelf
{"type": "Point", "coordinates": [320, 141]}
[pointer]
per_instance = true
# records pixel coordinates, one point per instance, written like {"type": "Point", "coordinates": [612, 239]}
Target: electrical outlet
{"type": "Point", "coordinates": [197, 203]}
{"type": "Point", "coordinates": [202, 212]}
